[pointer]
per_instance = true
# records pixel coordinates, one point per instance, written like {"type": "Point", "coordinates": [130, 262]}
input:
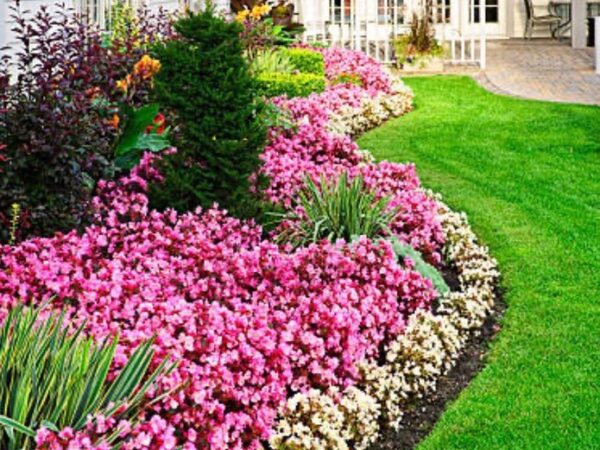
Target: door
{"type": "Point", "coordinates": [495, 17]}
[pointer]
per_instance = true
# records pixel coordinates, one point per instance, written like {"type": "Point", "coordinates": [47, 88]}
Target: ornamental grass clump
{"type": "Point", "coordinates": [53, 379]}
{"type": "Point", "coordinates": [340, 210]}
{"type": "Point", "coordinates": [270, 61]}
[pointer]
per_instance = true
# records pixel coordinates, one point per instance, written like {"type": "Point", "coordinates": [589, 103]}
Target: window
{"type": "Point", "coordinates": [491, 11]}
{"type": "Point", "coordinates": [342, 10]}
{"type": "Point", "coordinates": [390, 11]}
{"type": "Point", "coordinates": [441, 11]}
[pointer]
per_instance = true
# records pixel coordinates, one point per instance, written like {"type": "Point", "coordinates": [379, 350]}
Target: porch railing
{"type": "Point", "coordinates": [372, 26]}
{"type": "Point", "coordinates": [467, 50]}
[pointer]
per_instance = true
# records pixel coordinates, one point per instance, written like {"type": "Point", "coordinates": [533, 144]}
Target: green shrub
{"type": "Point", "coordinates": [427, 270]}
{"type": "Point", "coordinates": [51, 378]}
{"type": "Point", "coordinates": [273, 84]}
{"type": "Point", "coordinates": [340, 210]}
{"type": "Point", "coordinates": [205, 82]}
{"type": "Point", "coordinates": [305, 60]}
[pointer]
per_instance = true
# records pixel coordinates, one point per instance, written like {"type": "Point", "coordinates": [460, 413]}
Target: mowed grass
{"type": "Point", "coordinates": [528, 175]}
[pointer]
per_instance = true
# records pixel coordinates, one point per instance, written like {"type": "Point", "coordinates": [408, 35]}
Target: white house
{"type": "Point", "coordinates": [370, 25]}
{"type": "Point", "coordinates": [95, 9]}
{"type": "Point", "coordinates": [503, 18]}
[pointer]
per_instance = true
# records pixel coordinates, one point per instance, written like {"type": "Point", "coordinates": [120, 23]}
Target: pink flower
{"type": "Point", "coordinates": [249, 321]}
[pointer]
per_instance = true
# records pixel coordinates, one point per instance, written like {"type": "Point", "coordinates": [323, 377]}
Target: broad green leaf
{"type": "Point", "coordinates": [427, 270]}
{"type": "Point", "coordinates": [153, 142]}
{"type": "Point", "coordinates": [136, 122]}
{"type": "Point", "coordinates": [135, 140]}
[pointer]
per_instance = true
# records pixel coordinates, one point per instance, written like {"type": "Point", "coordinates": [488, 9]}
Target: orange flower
{"type": "Point", "coordinates": [123, 85]}
{"type": "Point", "coordinates": [114, 121]}
{"type": "Point", "coordinates": [146, 67]}
{"type": "Point", "coordinates": [158, 125]}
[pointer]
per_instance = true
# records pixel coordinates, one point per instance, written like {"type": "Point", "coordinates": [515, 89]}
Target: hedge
{"type": "Point", "coordinates": [273, 84]}
{"type": "Point", "coordinates": [305, 60]}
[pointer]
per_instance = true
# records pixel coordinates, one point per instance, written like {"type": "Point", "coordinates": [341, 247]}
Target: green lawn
{"type": "Point", "coordinates": [528, 175]}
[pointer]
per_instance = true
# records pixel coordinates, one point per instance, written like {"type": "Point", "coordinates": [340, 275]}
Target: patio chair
{"type": "Point", "coordinates": [551, 20]}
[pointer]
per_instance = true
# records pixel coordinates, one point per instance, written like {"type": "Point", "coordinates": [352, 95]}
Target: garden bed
{"type": "Point", "coordinates": [422, 417]}
{"type": "Point", "coordinates": [298, 337]}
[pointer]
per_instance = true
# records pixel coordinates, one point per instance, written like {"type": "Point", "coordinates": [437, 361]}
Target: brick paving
{"type": "Point", "coordinates": [541, 69]}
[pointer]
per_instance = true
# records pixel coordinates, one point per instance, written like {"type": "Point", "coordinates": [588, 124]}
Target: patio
{"type": "Point", "coordinates": [541, 69]}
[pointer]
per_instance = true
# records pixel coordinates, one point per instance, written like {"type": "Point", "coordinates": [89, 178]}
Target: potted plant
{"type": "Point", "coordinates": [419, 50]}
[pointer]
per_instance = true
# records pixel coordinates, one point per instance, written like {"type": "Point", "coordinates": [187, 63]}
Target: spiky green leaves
{"type": "Point", "coordinates": [50, 375]}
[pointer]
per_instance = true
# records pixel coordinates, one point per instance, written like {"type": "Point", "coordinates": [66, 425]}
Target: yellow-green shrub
{"type": "Point", "coordinates": [305, 60]}
{"type": "Point", "coordinates": [273, 84]}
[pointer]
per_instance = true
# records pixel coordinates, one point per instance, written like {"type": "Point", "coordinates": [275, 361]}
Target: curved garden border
{"type": "Point", "coordinates": [379, 391]}
{"type": "Point", "coordinates": [432, 342]}
{"type": "Point", "coordinates": [429, 349]}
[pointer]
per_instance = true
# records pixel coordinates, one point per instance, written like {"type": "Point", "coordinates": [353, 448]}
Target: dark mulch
{"type": "Point", "coordinates": [419, 422]}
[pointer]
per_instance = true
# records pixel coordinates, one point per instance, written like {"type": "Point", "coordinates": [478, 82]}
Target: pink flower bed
{"type": "Point", "coordinates": [250, 322]}
{"type": "Point", "coordinates": [313, 151]}
{"type": "Point", "coordinates": [340, 61]}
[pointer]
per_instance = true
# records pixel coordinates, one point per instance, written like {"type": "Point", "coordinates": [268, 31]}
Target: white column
{"type": "Point", "coordinates": [482, 27]}
{"type": "Point", "coordinates": [597, 43]}
{"type": "Point", "coordinates": [510, 18]}
{"type": "Point", "coordinates": [578, 23]}
{"type": "Point", "coordinates": [3, 23]}
{"type": "Point", "coordinates": [455, 13]}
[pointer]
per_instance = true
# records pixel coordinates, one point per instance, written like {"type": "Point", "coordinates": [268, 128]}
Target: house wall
{"type": "Point", "coordinates": [3, 22]}
{"type": "Point", "coordinates": [7, 36]}
{"type": "Point", "coordinates": [7, 23]}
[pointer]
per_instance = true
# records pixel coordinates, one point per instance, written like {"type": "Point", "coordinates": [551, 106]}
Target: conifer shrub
{"type": "Point", "coordinates": [206, 84]}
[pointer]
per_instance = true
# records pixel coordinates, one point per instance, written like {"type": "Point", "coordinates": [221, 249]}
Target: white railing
{"type": "Point", "coordinates": [467, 50]}
{"type": "Point", "coordinates": [373, 25]}
{"type": "Point", "coordinates": [369, 26]}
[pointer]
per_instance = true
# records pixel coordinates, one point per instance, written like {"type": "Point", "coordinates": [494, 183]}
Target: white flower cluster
{"type": "Point", "coordinates": [328, 421]}
{"type": "Point", "coordinates": [477, 271]}
{"type": "Point", "coordinates": [432, 342]}
{"type": "Point", "coordinates": [372, 112]}
{"type": "Point", "coordinates": [427, 349]}
{"type": "Point", "coordinates": [414, 363]}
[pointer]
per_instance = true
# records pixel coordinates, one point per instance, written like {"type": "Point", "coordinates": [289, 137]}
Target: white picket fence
{"type": "Point", "coordinates": [467, 50]}
{"type": "Point", "coordinates": [372, 26]}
